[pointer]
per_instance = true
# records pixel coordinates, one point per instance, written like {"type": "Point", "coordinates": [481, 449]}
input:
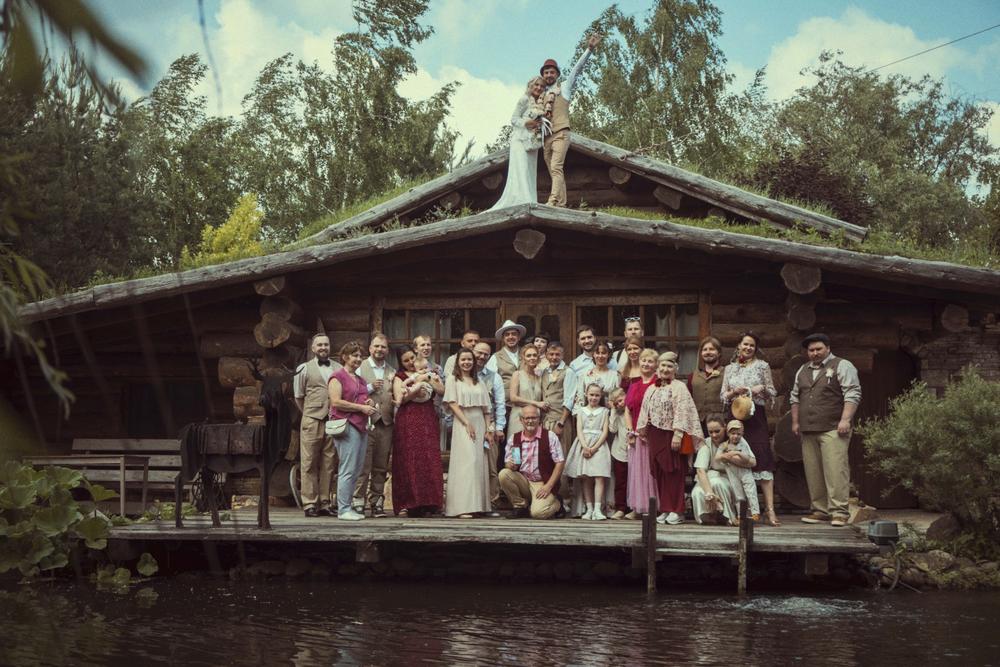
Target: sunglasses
{"type": "Point", "coordinates": [632, 319]}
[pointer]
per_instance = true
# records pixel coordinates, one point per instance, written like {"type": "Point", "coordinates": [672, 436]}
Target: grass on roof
{"type": "Point", "coordinates": [878, 242]}
{"type": "Point", "coordinates": [358, 208]}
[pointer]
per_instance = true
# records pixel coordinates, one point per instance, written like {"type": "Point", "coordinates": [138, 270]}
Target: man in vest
{"type": "Point", "coordinates": [533, 463]}
{"type": "Point", "coordinates": [508, 355]}
{"type": "Point", "coordinates": [558, 416]}
{"type": "Point", "coordinates": [705, 384]}
{"type": "Point", "coordinates": [318, 457]}
{"type": "Point", "coordinates": [824, 399]}
{"type": "Point", "coordinates": [378, 375]}
{"type": "Point", "coordinates": [556, 101]}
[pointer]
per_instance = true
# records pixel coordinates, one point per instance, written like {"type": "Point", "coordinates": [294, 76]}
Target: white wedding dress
{"type": "Point", "coordinates": [522, 166]}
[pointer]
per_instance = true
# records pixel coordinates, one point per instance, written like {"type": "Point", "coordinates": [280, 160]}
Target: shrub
{"type": "Point", "coordinates": [945, 450]}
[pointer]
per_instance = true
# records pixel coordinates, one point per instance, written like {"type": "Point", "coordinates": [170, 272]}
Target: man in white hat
{"type": "Point", "coordinates": [507, 358]}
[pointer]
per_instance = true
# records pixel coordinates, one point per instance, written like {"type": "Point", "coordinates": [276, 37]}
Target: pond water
{"type": "Point", "coordinates": [178, 621]}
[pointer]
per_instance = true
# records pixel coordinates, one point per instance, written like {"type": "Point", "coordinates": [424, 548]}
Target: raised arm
{"type": "Point", "coordinates": [570, 82]}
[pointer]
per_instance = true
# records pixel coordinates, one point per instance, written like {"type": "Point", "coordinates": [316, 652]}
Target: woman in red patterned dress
{"type": "Point", "coordinates": [417, 483]}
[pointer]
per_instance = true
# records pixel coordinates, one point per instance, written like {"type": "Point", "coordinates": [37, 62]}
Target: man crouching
{"type": "Point", "coordinates": [533, 465]}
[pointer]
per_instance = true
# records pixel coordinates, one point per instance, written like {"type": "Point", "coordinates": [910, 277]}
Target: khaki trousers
{"type": "Point", "coordinates": [376, 466]}
{"type": "Point", "coordinates": [318, 462]}
{"type": "Point", "coordinates": [522, 494]}
{"type": "Point", "coordinates": [554, 151]}
{"type": "Point", "coordinates": [828, 472]}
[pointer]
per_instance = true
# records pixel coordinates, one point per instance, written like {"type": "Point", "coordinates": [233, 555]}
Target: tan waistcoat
{"type": "Point", "coordinates": [506, 368]}
{"type": "Point", "coordinates": [316, 402]}
{"type": "Point", "coordinates": [706, 394]}
{"type": "Point", "coordinates": [554, 392]}
{"type": "Point", "coordinates": [821, 401]}
{"type": "Point", "coordinates": [384, 397]}
{"type": "Point", "coordinates": [560, 113]}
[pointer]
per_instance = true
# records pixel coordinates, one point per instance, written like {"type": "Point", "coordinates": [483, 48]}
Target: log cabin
{"type": "Point", "coordinates": [147, 356]}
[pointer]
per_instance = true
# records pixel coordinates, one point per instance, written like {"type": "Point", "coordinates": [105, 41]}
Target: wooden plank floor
{"type": "Point", "coordinates": [688, 538]}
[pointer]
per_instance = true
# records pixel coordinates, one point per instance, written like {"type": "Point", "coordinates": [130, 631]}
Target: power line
{"type": "Point", "coordinates": [935, 48]}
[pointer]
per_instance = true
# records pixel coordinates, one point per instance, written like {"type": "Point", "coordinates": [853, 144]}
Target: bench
{"type": "Point", "coordinates": [151, 465]}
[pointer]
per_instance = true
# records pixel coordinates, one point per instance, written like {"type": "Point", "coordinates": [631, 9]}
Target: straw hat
{"type": "Point", "coordinates": [742, 407]}
{"type": "Point", "coordinates": [511, 324]}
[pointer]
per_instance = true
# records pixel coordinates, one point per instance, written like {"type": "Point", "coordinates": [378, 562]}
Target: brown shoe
{"type": "Point", "coordinates": [816, 517]}
{"type": "Point", "coordinates": [839, 521]}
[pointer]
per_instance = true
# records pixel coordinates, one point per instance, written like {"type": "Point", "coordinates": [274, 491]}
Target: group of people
{"type": "Point", "coordinates": [595, 437]}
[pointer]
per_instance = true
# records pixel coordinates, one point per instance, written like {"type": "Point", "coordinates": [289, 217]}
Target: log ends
{"type": "Point", "coordinates": [272, 286]}
{"type": "Point", "coordinates": [451, 201]}
{"type": "Point", "coordinates": [801, 279]}
{"type": "Point", "coordinates": [528, 242]}
{"type": "Point", "coordinates": [954, 318]}
{"type": "Point", "coordinates": [619, 177]}
{"type": "Point", "coordinates": [272, 331]}
{"type": "Point", "coordinates": [670, 198]}
{"type": "Point", "coordinates": [492, 181]}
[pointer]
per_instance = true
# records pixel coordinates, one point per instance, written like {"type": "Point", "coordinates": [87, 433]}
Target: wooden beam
{"type": "Point", "coordinates": [728, 197]}
{"type": "Point", "coordinates": [929, 275]}
{"type": "Point", "coordinates": [743, 548]}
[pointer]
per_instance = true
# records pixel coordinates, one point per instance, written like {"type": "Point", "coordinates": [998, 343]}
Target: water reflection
{"type": "Point", "coordinates": [305, 624]}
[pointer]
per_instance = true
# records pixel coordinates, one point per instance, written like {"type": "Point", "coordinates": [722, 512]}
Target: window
{"type": "Point", "coordinates": [445, 326]}
{"type": "Point", "coordinates": [667, 326]}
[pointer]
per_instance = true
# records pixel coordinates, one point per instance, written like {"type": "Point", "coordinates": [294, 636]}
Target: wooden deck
{"type": "Point", "coordinates": [688, 539]}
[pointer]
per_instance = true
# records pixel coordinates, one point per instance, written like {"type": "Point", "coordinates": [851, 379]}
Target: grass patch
{"type": "Point", "coordinates": [878, 242]}
{"type": "Point", "coordinates": [358, 208]}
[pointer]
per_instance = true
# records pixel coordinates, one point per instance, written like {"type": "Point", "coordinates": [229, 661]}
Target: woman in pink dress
{"type": "Point", "coordinates": [417, 483]}
{"type": "Point", "coordinates": [641, 486]}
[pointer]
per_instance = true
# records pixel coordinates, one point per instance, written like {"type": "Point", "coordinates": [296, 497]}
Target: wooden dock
{"type": "Point", "coordinates": [689, 540]}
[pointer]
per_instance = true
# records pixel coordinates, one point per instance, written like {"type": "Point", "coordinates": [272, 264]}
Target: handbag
{"type": "Point", "coordinates": [336, 427]}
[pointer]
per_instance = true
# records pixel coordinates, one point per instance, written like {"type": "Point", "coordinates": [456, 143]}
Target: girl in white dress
{"type": "Point", "coordinates": [525, 140]}
{"type": "Point", "coordinates": [590, 458]}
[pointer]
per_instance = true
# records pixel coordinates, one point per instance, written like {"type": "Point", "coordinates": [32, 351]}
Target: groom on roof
{"type": "Point", "coordinates": [556, 103]}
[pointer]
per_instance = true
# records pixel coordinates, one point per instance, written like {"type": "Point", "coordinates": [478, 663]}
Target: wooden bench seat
{"type": "Point", "coordinates": [149, 464]}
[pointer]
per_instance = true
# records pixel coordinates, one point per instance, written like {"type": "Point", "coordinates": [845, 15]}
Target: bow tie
{"type": "Point", "coordinates": [323, 363]}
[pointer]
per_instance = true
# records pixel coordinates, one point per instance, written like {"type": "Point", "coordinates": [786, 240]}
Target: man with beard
{"type": "Point", "coordinates": [378, 375]}
{"type": "Point", "coordinates": [705, 384]}
{"type": "Point", "coordinates": [318, 456]}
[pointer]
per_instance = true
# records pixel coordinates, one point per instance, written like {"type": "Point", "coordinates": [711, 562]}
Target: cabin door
{"type": "Point", "coordinates": [537, 316]}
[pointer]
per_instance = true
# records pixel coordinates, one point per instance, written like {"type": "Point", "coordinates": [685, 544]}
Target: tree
{"type": "Point", "coordinates": [888, 152]}
{"type": "Point", "coordinates": [659, 83]}
{"type": "Point", "coordinates": [312, 142]}
{"type": "Point", "coordinates": [236, 238]}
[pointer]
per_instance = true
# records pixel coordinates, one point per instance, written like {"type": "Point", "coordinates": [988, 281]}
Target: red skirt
{"type": "Point", "coordinates": [667, 467]}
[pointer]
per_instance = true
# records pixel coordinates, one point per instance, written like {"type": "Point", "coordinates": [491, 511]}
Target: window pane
{"type": "Point", "coordinates": [451, 323]}
{"type": "Point", "coordinates": [595, 316]}
{"type": "Point", "coordinates": [421, 323]}
{"type": "Point", "coordinates": [687, 320]}
{"type": "Point", "coordinates": [443, 351]}
{"type": "Point", "coordinates": [661, 319]}
{"type": "Point", "coordinates": [528, 322]}
{"type": "Point", "coordinates": [394, 322]}
{"type": "Point", "coordinates": [688, 358]}
{"type": "Point", "coordinates": [550, 326]}
{"type": "Point", "coordinates": [483, 320]}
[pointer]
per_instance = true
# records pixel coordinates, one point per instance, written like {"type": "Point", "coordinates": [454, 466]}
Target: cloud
{"type": "Point", "coordinates": [864, 41]}
{"type": "Point", "coordinates": [480, 107]}
{"type": "Point", "coordinates": [459, 21]}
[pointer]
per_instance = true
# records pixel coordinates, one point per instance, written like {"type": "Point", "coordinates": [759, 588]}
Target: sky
{"type": "Point", "coordinates": [492, 47]}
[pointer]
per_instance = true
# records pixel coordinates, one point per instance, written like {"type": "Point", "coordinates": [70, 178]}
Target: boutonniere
{"type": "Point", "coordinates": [829, 373]}
{"type": "Point", "coordinates": [714, 373]}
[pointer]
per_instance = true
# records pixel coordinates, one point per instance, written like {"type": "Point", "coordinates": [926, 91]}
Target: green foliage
{"type": "Point", "coordinates": [147, 565]}
{"type": "Point", "coordinates": [238, 237]}
{"type": "Point", "coordinates": [945, 450]}
{"type": "Point", "coordinates": [658, 83]}
{"type": "Point", "coordinates": [40, 520]}
{"type": "Point", "coordinates": [879, 241]}
{"type": "Point", "coordinates": [348, 212]}
{"type": "Point", "coordinates": [888, 152]}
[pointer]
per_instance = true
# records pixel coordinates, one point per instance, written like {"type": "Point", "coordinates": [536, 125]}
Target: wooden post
{"type": "Point", "coordinates": [649, 534]}
{"type": "Point", "coordinates": [743, 548]}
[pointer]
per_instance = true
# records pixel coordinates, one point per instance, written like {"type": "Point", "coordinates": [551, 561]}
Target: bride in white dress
{"type": "Point", "coordinates": [525, 140]}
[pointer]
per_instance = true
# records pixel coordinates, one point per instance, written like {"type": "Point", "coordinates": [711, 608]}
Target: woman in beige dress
{"type": "Point", "coordinates": [525, 388]}
{"type": "Point", "coordinates": [468, 468]}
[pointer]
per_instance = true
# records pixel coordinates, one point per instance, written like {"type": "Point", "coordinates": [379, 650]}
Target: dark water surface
{"type": "Point", "coordinates": [277, 623]}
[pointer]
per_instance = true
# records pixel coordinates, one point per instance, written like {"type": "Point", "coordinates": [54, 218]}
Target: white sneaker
{"type": "Point", "coordinates": [598, 515]}
{"type": "Point", "coordinates": [662, 518]}
{"type": "Point", "coordinates": [350, 515]}
{"type": "Point", "coordinates": [588, 515]}
{"type": "Point", "coordinates": [674, 518]}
